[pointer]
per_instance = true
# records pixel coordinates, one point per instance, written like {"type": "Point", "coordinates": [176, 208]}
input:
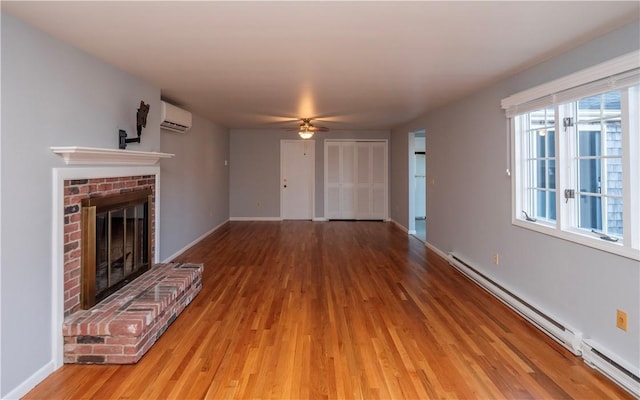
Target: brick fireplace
{"type": "Point", "coordinates": [124, 325]}
{"type": "Point", "coordinates": [75, 191]}
{"type": "Point", "coordinates": [116, 243]}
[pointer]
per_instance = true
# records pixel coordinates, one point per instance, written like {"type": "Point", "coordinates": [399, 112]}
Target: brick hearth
{"type": "Point", "coordinates": [121, 328]}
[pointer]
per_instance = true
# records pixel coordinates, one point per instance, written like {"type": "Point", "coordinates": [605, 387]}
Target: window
{"type": "Point", "coordinates": [537, 135]}
{"type": "Point", "coordinates": [598, 162]}
{"type": "Point", "coordinates": [576, 158]}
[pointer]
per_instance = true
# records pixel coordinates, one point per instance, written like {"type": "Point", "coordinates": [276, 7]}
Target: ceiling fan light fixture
{"type": "Point", "coordinates": [305, 134]}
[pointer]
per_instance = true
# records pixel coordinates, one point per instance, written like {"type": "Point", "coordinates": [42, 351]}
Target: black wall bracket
{"type": "Point", "coordinates": [123, 140]}
{"type": "Point", "coordinates": [141, 122]}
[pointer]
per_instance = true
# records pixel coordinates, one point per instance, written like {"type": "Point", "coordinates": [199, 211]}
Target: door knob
{"type": "Point", "coordinates": [285, 185]}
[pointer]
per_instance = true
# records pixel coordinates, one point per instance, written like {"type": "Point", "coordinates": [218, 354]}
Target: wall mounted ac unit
{"type": "Point", "coordinates": [174, 118]}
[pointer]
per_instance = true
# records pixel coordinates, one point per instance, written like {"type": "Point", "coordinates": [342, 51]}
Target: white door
{"type": "Point", "coordinates": [332, 180]}
{"type": "Point", "coordinates": [348, 185]}
{"type": "Point", "coordinates": [355, 179]}
{"type": "Point", "coordinates": [363, 180]}
{"type": "Point", "coordinates": [378, 180]}
{"type": "Point", "coordinates": [371, 181]}
{"type": "Point", "coordinates": [340, 180]}
{"type": "Point", "coordinates": [297, 179]}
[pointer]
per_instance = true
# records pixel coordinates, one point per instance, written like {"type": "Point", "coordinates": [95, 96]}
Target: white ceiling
{"type": "Point", "coordinates": [357, 65]}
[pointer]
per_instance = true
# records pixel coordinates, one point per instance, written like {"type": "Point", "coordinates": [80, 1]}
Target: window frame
{"type": "Point", "coordinates": [557, 94]}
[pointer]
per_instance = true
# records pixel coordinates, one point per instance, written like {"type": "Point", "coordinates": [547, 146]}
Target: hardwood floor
{"type": "Point", "coordinates": [298, 310]}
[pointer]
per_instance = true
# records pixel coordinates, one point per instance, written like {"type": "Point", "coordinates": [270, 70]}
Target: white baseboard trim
{"type": "Point", "coordinates": [320, 219]}
{"type": "Point", "coordinates": [31, 382]}
{"type": "Point", "coordinates": [255, 219]}
{"type": "Point", "coordinates": [400, 226]}
{"type": "Point", "coordinates": [193, 243]}
{"type": "Point", "coordinates": [436, 250]}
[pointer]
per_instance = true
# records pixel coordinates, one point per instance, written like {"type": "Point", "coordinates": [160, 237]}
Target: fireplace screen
{"type": "Point", "coordinates": [116, 246]}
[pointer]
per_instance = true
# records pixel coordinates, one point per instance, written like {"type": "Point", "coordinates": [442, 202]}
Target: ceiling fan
{"type": "Point", "coordinates": [306, 129]}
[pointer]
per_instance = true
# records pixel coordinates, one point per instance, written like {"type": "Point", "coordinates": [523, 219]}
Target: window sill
{"type": "Point", "coordinates": [585, 240]}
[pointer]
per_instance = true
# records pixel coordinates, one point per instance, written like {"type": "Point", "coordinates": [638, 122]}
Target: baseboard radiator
{"type": "Point", "coordinates": [610, 367]}
{"type": "Point", "coordinates": [566, 336]}
{"type": "Point", "coordinates": [569, 338]}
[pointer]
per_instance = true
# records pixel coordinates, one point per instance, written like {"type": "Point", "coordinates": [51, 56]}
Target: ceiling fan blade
{"type": "Point", "coordinates": [278, 119]}
{"type": "Point", "coordinates": [319, 128]}
{"type": "Point", "coordinates": [305, 125]}
{"type": "Point", "coordinates": [312, 129]}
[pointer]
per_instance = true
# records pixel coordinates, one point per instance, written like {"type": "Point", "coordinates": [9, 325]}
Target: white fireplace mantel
{"type": "Point", "coordinates": [99, 156]}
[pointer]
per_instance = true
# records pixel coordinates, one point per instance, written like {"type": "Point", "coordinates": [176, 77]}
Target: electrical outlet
{"type": "Point", "coordinates": [496, 258]}
{"type": "Point", "coordinates": [621, 320]}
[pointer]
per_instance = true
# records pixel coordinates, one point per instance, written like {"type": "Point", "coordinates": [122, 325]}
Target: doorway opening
{"type": "Point", "coordinates": [418, 185]}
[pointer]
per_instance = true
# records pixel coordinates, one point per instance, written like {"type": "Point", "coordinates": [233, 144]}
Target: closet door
{"type": "Point", "coordinates": [348, 189]}
{"type": "Point", "coordinates": [378, 181]}
{"type": "Point", "coordinates": [332, 180]}
{"type": "Point", "coordinates": [371, 183]}
{"type": "Point", "coordinates": [363, 180]}
{"type": "Point", "coordinates": [340, 180]}
{"type": "Point", "coordinates": [356, 180]}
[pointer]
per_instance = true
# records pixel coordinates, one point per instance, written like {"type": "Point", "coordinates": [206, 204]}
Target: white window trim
{"type": "Point", "coordinates": [548, 90]}
{"type": "Point", "coordinates": [579, 237]}
{"type": "Point", "coordinates": [545, 95]}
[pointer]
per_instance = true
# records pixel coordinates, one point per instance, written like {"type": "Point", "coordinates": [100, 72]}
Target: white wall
{"type": "Point", "coordinates": [255, 169]}
{"type": "Point", "coordinates": [469, 208]}
{"type": "Point", "coordinates": [56, 95]}
{"type": "Point", "coordinates": [194, 191]}
{"type": "Point", "coordinates": [53, 95]}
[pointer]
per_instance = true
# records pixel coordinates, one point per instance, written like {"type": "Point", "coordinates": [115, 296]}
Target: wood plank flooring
{"type": "Point", "coordinates": [336, 310]}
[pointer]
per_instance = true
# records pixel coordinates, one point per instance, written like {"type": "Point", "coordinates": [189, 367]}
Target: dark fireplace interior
{"type": "Point", "coordinates": [116, 245]}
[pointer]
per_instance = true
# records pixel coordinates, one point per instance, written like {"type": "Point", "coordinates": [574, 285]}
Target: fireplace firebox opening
{"type": "Point", "coordinates": [116, 243]}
